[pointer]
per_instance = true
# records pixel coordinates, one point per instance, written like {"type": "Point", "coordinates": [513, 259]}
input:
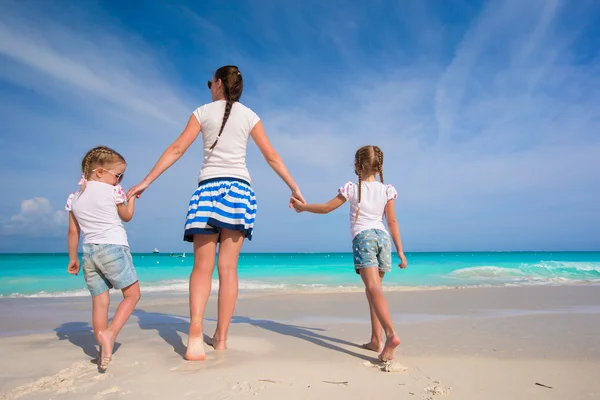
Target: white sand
{"type": "Point", "coordinates": [496, 343]}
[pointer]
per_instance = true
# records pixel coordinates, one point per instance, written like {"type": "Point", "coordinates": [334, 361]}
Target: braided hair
{"type": "Point", "coordinates": [98, 157]}
{"type": "Point", "coordinates": [233, 86]}
{"type": "Point", "coordinates": [379, 155]}
{"type": "Point", "coordinates": [367, 160]}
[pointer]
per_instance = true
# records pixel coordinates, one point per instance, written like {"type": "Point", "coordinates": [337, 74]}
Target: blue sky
{"type": "Point", "coordinates": [487, 112]}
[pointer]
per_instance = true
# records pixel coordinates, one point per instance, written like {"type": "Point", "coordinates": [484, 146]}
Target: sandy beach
{"type": "Point", "coordinates": [484, 343]}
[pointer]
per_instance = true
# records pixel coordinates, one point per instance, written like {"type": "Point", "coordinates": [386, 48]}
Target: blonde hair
{"type": "Point", "coordinates": [98, 157]}
{"type": "Point", "coordinates": [367, 160]}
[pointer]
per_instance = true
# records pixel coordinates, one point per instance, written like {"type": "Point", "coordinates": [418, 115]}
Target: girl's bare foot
{"type": "Point", "coordinates": [98, 357]}
{"type": "Point", "coordinates": [195, 347]}
{"type": "Point", "coordinates": [219, 345]}
{"type": "Point", "coordinates": [387, 354]}
{"type": "Point", "coordinates": [373, 346]}
{"type": "Point", "coordinates": [107, 341]}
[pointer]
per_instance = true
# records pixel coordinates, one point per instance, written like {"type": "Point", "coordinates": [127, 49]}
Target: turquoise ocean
{"type": "Point", "coordinates": [44, 275]}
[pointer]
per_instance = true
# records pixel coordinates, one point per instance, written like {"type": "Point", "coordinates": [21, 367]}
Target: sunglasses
{"type": "Point", "coordinates": [209, 83]}
{"type": "Point", "coordinates": [118, 176]}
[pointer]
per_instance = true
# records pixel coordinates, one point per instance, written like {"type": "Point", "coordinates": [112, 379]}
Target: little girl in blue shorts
{"type": "Point", "coordinates": [97, 210]}
{"type": "Point", "coordinates": [370, 201]}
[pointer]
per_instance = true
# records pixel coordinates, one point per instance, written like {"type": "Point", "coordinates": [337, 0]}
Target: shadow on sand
{"type": "Point", "coordinates": [81, 335]}
{"type": "Point", "coordinates": [305, 333]}
{"type": "Point", "coordinates": [170, 327]}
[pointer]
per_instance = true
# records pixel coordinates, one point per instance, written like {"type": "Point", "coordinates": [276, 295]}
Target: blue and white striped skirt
{"type": "Point", "coordinates": [221, 203]}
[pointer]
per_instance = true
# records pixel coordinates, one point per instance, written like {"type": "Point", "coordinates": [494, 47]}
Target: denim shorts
{"type": "Point", "coordinates": [372, 248]}
{"type": "Point", "coordinates": [107, 266]}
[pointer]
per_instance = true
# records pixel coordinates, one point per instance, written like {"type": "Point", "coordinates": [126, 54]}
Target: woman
{"type": "Point", "coordinates": [223, 207]}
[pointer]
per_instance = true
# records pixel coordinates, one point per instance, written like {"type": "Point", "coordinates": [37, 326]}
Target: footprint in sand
{"type": "Point", "coordinates": [102, 377]}
{"type": "Point", "coordinates": [436, 390]}
{"type": "Point", "coordinates": [247, 387]}
{"type": "Point", "coordinates": [61, 382]}
{"type": "Point", "coordinates": [386, 366]}
{"type": "Point", "coordinates": [102, 395]}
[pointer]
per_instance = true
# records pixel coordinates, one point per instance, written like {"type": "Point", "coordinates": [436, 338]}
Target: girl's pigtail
{"type": "Point", "coordinates": [359, 172]}
{"type": "Point", "coordinates": [86, 164]}
{"type": "Point", "coordinates": [379, 161]}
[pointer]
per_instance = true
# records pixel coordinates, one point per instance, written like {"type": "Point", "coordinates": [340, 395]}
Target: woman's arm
{"type": "Point", "coordinates": [274, 160]}
{"type": "Point", "coordinates": [392, 223]}
{"type": "Point", "coordinates": [169, 157]}
{"type": "Point", "coordinates": [73, 244]}
{"type": "Point", "coordinates": [326, 208]}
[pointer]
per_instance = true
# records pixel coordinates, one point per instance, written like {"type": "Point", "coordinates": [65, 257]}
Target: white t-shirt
{"type": "Point", "coordinates": [228, 158]}
{"type": "Point", "coordinates": [96, 213]}
{"type": "Point", "coordinates": [374, 197]}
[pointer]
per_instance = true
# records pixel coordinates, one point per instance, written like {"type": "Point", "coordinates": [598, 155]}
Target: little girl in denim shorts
{"type": "Point", "coordinates": [96, 210]}
{"type": "Point", "coordinates": [370, 201]}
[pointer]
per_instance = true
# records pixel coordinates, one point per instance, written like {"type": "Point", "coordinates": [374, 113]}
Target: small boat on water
{"type": "Point", "coordinates": [155, 250]}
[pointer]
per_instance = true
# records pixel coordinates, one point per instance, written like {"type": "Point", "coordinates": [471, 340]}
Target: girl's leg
{"type": "Point", "coordinates": [205, 248]}
{"type": "Point", "coordinates": [229, 252]}
{"type": "Point", "coordinates": [131, 296]}
{"type": "Point", "coordinates": [100, 306]}
{"type": "Point", "coordinates": [372, 281]}
{"type": "Point", "coordinates": [376, 343]}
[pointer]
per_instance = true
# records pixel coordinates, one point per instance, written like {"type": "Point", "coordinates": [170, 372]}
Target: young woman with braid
{"type": "Point", "coordinates": [223, 207]}
{"type": "Point", "coordinates": [370, 201]}
{"type": "Point", "coordinates": [96, 210]}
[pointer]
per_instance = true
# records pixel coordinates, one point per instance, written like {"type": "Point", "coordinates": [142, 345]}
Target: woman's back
{"type": "Point", "coordinates": [228, 158]}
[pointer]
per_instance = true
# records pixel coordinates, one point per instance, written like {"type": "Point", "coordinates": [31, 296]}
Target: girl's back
{"type": "Point", "coordinates": [374, 197]}
{"type": "Point", "coordinates": [96, 212]}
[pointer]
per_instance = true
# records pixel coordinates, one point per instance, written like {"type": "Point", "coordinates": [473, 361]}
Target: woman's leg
{"type": "Point", "coordinates": [205, 248]}
{"type": "Point", "coordinates": [372, 281]}
{"type": "Point", "coordinates": [229, 252]}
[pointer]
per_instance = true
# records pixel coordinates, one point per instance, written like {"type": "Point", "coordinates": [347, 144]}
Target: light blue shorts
{"type": "Point", "coordinates": [107, 266]}
{"type": "Point", "coordinates": [372, 248]}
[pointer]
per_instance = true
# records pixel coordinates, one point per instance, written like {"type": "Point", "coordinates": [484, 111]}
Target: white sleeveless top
{"type": "Point", "coordinates": [228, 158]}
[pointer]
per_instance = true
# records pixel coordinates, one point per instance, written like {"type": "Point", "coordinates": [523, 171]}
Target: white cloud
{"type": "Point", "coordinates": [36, 219]}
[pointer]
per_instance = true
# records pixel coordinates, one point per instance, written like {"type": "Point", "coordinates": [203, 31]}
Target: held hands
{"type": "Point", "coordinates": [73, 267]}
{"type": "Point", "coordinates": [403, 262]}
{"type": "Point", "coordinates": [137, 190]}
{"type": "Point", "coordinates": [297, 199]}
{"type": "Point", "coordinates": [297, 204]}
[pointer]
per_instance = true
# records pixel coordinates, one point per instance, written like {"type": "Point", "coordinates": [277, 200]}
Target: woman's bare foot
{"type": "Point", "coordinates": [219, 345]}
{"type": "Point", "coordinates": [107, 340]}
{"type": "Point", "coordinates": [387, 354]}
{"type": "Point", "coordinates": [373, 346]}
{"type": "Point", "coordinates": [195, 347]}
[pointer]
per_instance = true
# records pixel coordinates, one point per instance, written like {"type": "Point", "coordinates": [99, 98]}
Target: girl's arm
{"type": "Point", "coordinates": [392, 223]}
{"type": "Point", "coordinates": [169, 157]}
{"type": "Point", "coordinates": [126, 210]}
{"type": "Point", "coordinates": [274, 160]}
{"type": "Point", "coordinates": [73, 244]}
{"type": "Point", "coordinates": [326, 208]}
